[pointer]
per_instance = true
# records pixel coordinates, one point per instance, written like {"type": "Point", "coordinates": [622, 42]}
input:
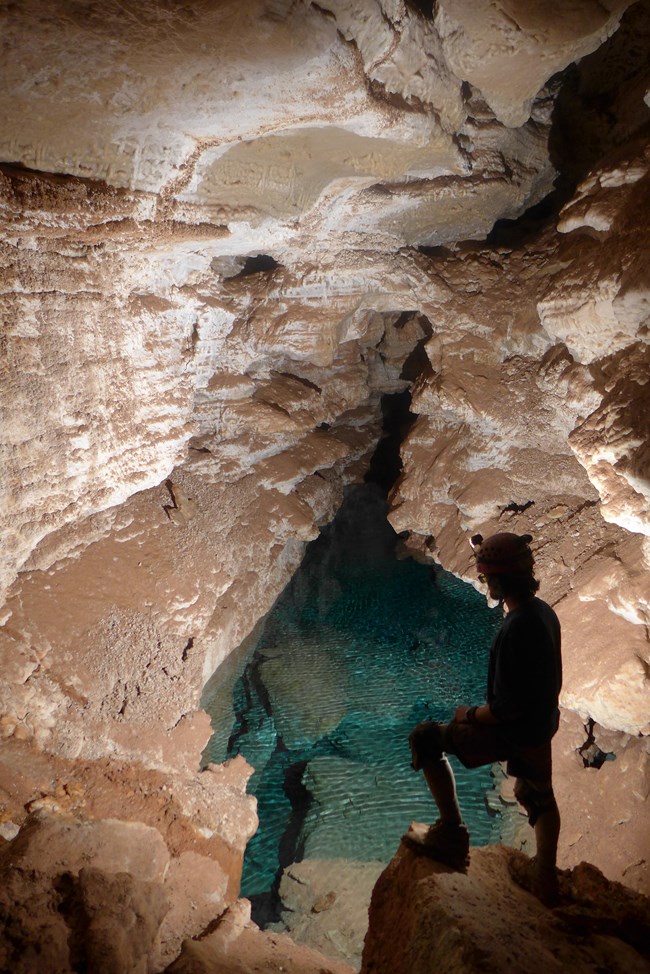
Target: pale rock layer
{"type": "Point", "coordinates": [509, 49]}
{"type": "Point", "coordinates": [205, 105]}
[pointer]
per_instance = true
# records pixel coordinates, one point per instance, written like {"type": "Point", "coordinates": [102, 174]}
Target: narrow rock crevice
{"type": "Point", "coordinates": [386, 464]}
{"type": "Point", "coordinates": [257, 264]}
{"type": "Point", "coordinates": [591, 754]}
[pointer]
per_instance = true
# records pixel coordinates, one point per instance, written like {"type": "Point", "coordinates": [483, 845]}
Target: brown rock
{"type": "Point", "coordinates": [606, 678]}
{"type": "Point", "coordinates": [603, 808]}
{"type": "Point", "coordinates": [237, 946]}
{"type": "Point", "coordinates": [53, 844]}
{"type": "Point", "coordinates": [324, 902]}
{"type": "Point", "coordinates": [105, 922]}
{"type": "Point", "coordinates": [114, 921]}
{"type": "Point", "coordinates": [196, 889]}
{"type": "Point", "coordinates": [483, 921]}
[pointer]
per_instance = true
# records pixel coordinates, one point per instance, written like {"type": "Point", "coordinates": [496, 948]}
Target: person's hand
{"type": "Point", "coordinates": [461, 715]}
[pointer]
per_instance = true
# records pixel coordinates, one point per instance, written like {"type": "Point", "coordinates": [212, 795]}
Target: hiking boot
{"type": "Point", "coordinates": [445, 842]}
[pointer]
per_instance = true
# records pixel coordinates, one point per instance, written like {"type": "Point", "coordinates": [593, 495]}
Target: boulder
{"type": "Point", "coordinates": [238, 946]}
{"type": "Point", "coordinates": [325, 905]}
{"type": "Point", "coordinates": [424, 917]}
{"type": "Point", "coordinates": [53, 844]}
{"type": "Point", "coordinates": [105, 922]}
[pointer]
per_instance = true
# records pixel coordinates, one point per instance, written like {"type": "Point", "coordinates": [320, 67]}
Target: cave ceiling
{"type": "Point", "coordinates": [301, 127]}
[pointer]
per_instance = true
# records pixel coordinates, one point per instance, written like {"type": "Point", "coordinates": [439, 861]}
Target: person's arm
{"type": "Point", "coordinates": [475, 715]}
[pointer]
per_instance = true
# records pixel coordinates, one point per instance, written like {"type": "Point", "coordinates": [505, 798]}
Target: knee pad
{"type": "Point", "coordinates": [425, 741]}
{"type": "Point", "coordinates": [535, 797]}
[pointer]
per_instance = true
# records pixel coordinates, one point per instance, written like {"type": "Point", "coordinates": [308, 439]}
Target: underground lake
{"type": "Point", "coordinates": [360, 646]}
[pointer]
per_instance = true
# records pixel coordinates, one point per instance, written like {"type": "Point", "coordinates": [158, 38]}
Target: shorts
{"type": "Point", "coordinates": [478, 744]}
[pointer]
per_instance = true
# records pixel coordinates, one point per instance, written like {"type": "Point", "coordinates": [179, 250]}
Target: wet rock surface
{"type": "Point", "coordinates": [325, 905]}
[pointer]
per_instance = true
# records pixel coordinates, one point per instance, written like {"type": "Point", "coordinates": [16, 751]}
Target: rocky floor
{"type": "Point", "coordinates": [425, 917]}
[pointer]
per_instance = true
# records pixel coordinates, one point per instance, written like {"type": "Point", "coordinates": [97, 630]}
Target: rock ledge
{"type": "Point", "coordinates": [424, 917]}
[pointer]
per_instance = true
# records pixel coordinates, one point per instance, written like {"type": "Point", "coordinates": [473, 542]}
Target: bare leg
{"type": "Point", "coordinates": [547, 831]}
{"type": "Point", "coordinates": [442, 785]}
{"type": "Point", "coordinates": [544, 816]}
{"type": "Point", "coordinates": [447, 840]}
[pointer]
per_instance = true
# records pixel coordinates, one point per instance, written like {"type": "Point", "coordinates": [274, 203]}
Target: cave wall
{"type": "Point", "coordinates": [226, 229]}
{"type": "Point", "coordinates": [519, 431]}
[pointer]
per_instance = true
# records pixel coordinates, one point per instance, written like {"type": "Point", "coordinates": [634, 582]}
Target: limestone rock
{"type": "Point", "coordinates": [237, 946]}
{"type": "Point", "coordinates": [612, 445]}
{"type": "Point", "coordinates": [603, 808]}
{"type": "Point", "coordinates": [402, 52]}
{"type": "Point", "coordinates": [82, 892]}
{"type": "Point", "coordinates": [54, 844]}
{"type": "Point", "coordinates": [390, 116]}
{"type": "Point", "coordinates": [113, 891]}
{"type": "Point", "coordinates": [218, 292]}
{"type": "Point", "coordinates": [479, 41]}
{"type": "Point", "coordinates": [196, 888]}
{"type": "Point", "coordinates": [603, 312]}
{"type": "Point", "coordinates": [483, 921]}
{"type": "Point", "coordinates": [206, 820]}
{"type": "Point", "coordinates": [608, 678]}
{"type": "Point", "coordinates": [105, 921]}
{"type": "Point", "coordinates": [476, 461]}
{"type": "Point", "coordinates": [325, 905]}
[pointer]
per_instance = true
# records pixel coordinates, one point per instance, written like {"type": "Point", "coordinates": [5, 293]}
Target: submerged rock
{"type": "Point", "coordinates": [300, 715]}
{"type": "Point", "coordinates": [325, 904]}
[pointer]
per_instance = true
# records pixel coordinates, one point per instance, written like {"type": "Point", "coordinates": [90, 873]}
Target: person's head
{"type": "Point", "coordinates": [505, 561]}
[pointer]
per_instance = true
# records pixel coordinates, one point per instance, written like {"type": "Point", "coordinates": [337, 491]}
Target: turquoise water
{"type": "Point", "coordinates": [359, 648]}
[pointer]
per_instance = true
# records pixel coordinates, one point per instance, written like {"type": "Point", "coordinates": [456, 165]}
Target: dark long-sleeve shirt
{"type": "Point", "coordinates": [525, 673]}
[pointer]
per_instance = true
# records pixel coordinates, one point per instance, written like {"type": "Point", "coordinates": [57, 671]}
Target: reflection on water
{"type": "Point", "coordinates": [359, 648]}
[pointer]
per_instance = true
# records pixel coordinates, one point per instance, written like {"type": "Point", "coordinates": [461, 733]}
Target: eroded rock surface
{"type": "Point", "coordinates": [68, 850]}
{"type": "Point", "coordinates": [483, 921]}
{"type": "Point", "coordinates": [237, 946]}
{"type": "Point", "coordinates": [211, 276]}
